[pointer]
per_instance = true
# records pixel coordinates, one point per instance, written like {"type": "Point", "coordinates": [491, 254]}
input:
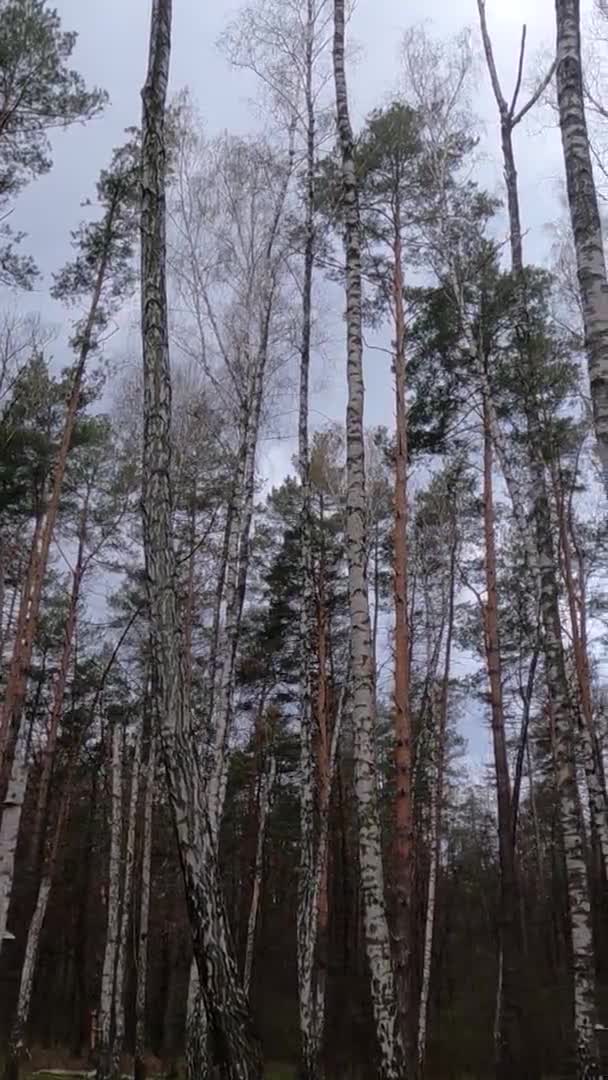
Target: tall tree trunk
{"type": "Point", "coordinates": [16, 1045]}
{"type": "Point", "coordinates": [108, 975]}
{"type": "Point", "coordinates": [307, 921]}
{"type": "Point", "coordinates": [58, 694]}
{"type": "Point", "coordinates": [539, 544]}
{"type": "Point", "coordinates": [144, 914]}
{"type": "Point", "coordinates": [404, 820]}
{"type": "Point", "coordinates": [587, 1058]}
{"type": "Point", "coordinates": [118, 1037]}
{"type": "Point", "coordinates": [9, 830]}
{"type": "Point", "coordinates": [236, 1050]}
{"type": "Point", "coordinates": [264, 802]}
{"type": "Point", "coordinates": [440, 718]}
{"type": "Point", "coordinates": [377, 937]}
{"type": "Point", "coordinates": [584, 213]}
{"type": "Point", "coordinates": [510, 1051]}
{"type": "Point", "coordinates": [591, 757]}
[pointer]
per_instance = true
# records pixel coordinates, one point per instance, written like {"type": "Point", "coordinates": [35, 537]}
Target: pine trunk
{"type": "Point", "coordinates": [58, 694]}
{"type": "Point", "coordinates": [511, 1053]}
{"type": "Point", "coordinates": [29, 608]}
{"type": "Point", "coordinates": [377, 937]}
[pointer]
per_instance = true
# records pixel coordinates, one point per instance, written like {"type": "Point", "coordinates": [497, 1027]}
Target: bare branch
{"type": "Point", "coordinates": [536, 96]}
{"type": "Point", "coordinates": [520, 71]}
{"type": "Point", "coordinates": [487, 48]}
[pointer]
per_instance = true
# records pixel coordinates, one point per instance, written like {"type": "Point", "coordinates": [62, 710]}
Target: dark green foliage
{"type": "Point", "coordinates": [38, 92]}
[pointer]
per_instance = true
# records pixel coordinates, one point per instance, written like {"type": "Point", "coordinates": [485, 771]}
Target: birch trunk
{"type": "Point", "coordinates": [306, 931]}
{"type": "Point", "coordinates": [223, 999]}
{"type": "Point", "coordinates": [16, 1044]}
{"type": "Point", "coordinates": [9, 831]}
{"type": "Point", "coordinates": [598, 807]}
{"type": "Point", "coordinates": [587, 1059]}
{"type": "Point", "coordinates": [377, 937]}
{"type": "Point", "coordinates": [242, 516]}
{"type": "Point", "coordinates": [264, 802]}
{"type": "Point", "coordinates": [125, 913]}
{"type": "Point", "coordinates": [144, 917]}
{"type": "Point", "coordinates": [584, 214]}
{"type": "Point", "coordinates": [108, 976]}
{"type": "Point", "coordinates": [404, 820]}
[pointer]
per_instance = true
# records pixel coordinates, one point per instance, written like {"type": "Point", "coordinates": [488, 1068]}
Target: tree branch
{"type": "Point", "coordinates": [520, 71]}
{"type": "Point", "coordinates": [487, 48]}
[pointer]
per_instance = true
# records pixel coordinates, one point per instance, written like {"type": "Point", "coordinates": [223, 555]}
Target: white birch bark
{"type": "Point", "coordinates": [309, 1006]}
{"type": "Point", "coordinates": [125, 911]}
{"type": "Point", "coordinates": [264, 804]}
{"type": "Point", "coordinates": [223, 997]}
{"type": "Point", "coordinates": [584, 214]}
{"type": "Point", "coordinates": [144, 915]}
{"type": "Point", "coordinates": [377, 937]}
{"type": "Point", "coordinates": [16, 1046]}
{"type": "Point", "coordinates": [9, 831]}
{"type": "Point", "coordinates": [108, 975]}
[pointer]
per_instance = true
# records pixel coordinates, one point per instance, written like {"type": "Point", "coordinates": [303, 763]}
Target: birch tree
{"type": "Point", "coordinates": [223, 998]}
{"type": "Point", "coordinates": [584, 214]}
{"type": "Point", "coordinates": [377, 938]}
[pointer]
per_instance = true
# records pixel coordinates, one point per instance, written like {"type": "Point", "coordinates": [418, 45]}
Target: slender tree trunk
{"type": "Point", "coordinates": [16, 1045]}
{"type": "Point", "coordinates": [108, 976]}
{"type": "Point", "coordinates": [539, 543]}
{"type": "Point", "coordinates": [235, 1047]}
{"type": "Point", "coordinates": [510, 1051]}
{"type": "Point", "coordinates": [377, 937]}
{"type": "Point", "coordinates": [264, 802]}
{"type": "Point", "coordinates": [144, 915]}
{"type": "Point", "coordinates": [404, 819]}
{"type": "Point", "coordinates": [598, 806]}
{"type": "Point", "coordinates": [125, 913]}
{"type": "Point", "coordinates": [584, 213]}
{"type": "Point", "coordinates": [311, 1049]}
{"type": "Point", "coordinates": [9, 831]}
{"type": "Point", "coordinates": [58, 694]}
{"type": "Point", "coordinates": [574, 847]}
{"type": "Point", "coordinates": [439, 728]}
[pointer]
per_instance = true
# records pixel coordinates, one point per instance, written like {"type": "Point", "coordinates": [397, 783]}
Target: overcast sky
{"type": "Point", "coordinates": [112, 51]}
